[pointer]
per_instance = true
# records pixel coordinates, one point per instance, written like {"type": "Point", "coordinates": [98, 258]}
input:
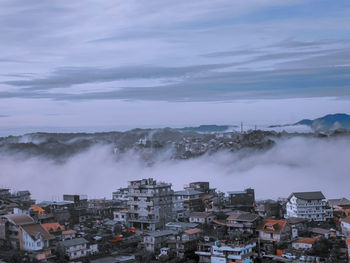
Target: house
{"type": "Point", "coordinates": [305, 243]}
{"type": "Point", "coordinates": [309, 205]}
{"type": "Point", "coordinates": [230, 252]}
{"type": "Point", "coordinates": [23, 233]}
{"type": "Point", "coordinates": [34, 237]}
{"type": "Point", "coordinates": [345, 226]}
{"type": "Point", "coordinates": [297, 225]}
{"type": "Point", "coordinates": [242, 200]}
{"type": "Point", "coordinates": [184, 241]}
{"type": "Point", "coordinates": [155, 240]}
{"type": "Point", "coordinates": [201, 217]}
{"type": "Point", "coordinates": [74, 248]}
{"type": "Point", "coordinates": [68, 234]}
{"type": "Point", "coordinates": [273, 230]}
{"type": "Point", "coordinates": [242, 224]}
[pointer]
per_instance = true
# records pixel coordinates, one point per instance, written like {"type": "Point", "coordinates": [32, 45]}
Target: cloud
{"type": "Point", "coordinates": [296, 164]}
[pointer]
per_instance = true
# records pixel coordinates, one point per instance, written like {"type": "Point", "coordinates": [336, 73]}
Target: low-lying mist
{"type": "Point", "coordinates": [295, 164]}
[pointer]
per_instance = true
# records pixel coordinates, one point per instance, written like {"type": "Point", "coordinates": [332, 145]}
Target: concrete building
{"type": "Point", "coordinates": [74, 248]}
{"type": "Point", "coordinates": [304, 243]}
{"type": "Point", "coordinates": [242, 225]}
{"type": "Point", "coordinates": [345, 226]}
{"type": "Point", "coordinates": [150, 204]}
{"type": "Point", "coordinates": [273, 230]}
{"type": "Point", "coordinates": [231, 252]}
{"type": "Point", "coordinates": [241, 200]}
{"type": "Point", "coordinates": [154, 241]}
{"type": "Point", "coordinates": [186, 201]}
{"type": "Point", "coordinates": [184, 242]}
{"type": "Point", "coordinates": [309, 205]}
{"type": "Point", "coordinates": [201, 217]}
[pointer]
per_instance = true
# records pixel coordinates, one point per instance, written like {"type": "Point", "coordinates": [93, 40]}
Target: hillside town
{"type": "Point", "coordinates": [148, 221]}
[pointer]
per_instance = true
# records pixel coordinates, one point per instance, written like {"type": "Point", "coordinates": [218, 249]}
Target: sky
{"type": "Point", "coordinates": [101, 65]}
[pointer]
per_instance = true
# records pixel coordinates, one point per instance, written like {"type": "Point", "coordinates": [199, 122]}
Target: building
{"type": "Point", "coordinates": [230, 252]}
{"type": "Point", "coordinates": [121, 216]}
{"type": "Point", "coordinates": [150, 204]}
{"type": "Point", "coordinates": [74, 248]}
{"type": "Point", "coordinates": [273, 230]}
{"type": "Point", "coordinates": [201, 217]}
{"type": "Point", "coordinates": [297, 225]}
{"type": "Point", "coordinates": [242, 225]}
{"type": "Point", "coordinates": [305, 243]}
{"type": "Point", "coordinates": [23, 233]}
{"type": "Point", "coordinates": [201, 187]}
{"type": "Point", "coordinates": [184, 242]}
{"type": "Point", "coordinates": [345, 226]}
{"type": "Point", "coordinates": [242, 200]}
{"type": "Point", "coordinates": [155, 240]}
{"type": "Point", "coordinates": [187, 201]}
{"type": "Point", "coordinates": [309, 205]}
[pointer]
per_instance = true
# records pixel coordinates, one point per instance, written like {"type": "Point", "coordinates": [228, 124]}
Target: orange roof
{"type": "Point", "coordinates": [192, 231]}
{"type": "Point", "coordinates": [38, 209]}
{"type": "Point", "coordinates": [272, 225]}
{"type": "Point", "coordinates": [53, 227]}
{"type": "Point", "coordinates": [307, 240]}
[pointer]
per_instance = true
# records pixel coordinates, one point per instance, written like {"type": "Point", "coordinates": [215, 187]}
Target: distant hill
{"type": "Point", "coordinates": [328, 122]}
{"type": "Point", "coordinates": [208, 128]}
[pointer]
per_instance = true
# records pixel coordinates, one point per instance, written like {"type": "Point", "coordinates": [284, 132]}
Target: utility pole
{"type": "Point", "coordinates": [241, 127]}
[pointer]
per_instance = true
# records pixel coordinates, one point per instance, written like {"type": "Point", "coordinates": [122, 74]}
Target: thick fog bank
{"type": "Point", "coordinates": [296, 164]}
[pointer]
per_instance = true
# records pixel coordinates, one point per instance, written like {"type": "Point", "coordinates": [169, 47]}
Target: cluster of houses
{"type": "Point", "coordinates": [148, 221]}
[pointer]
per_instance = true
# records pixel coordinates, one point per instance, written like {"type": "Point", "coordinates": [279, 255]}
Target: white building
{"type": "Point", "coordinates": [309, 205]}
{"type": "Point", "coordinates": [222, 253]}
{"type": "Point", "coordinates": [75, 248]}
{"type": "Point", "coordinates": [345, 226]}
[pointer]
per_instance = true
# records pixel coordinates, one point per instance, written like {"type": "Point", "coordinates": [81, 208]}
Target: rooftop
{"type": "Point", "coordinates": [35, 229]}
{"type": "Point", "coordinates": [317, 195]}
{"type": "Point", "coordinates": [19, 219]}
{"type": "Point", "coordinates": [73, 242]}
{"type": "Point", "coordinates": [188, 191]}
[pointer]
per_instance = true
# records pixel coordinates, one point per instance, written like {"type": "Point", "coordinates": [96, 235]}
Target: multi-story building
{"type": "Point", "coordinates": [272, 230]}
{"type": "Point", "coordinates": [23, 233]}
{"type": "Point", "coordinates": [345, 226]}
{"type": "Point", "coordinates": [74, 248]}
{"type": "Point", "coordinates": [154, 241]}
{"type": "Point", "coordinates": [186, 201]}
{"type": "Point", "coordinates": [309, 205]}
{"type": "Point", "coordinates": [231, 252]}
{"type": "Point", "coordinates": [242, 200]}
{"type": "Point", "coordinates": [150, 204]}
{"type": "Point", "coordinates": [242, 225]}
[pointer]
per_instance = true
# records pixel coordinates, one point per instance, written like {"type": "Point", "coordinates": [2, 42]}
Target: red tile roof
{"type": "Point", "coordinates": [53, 227]}
{"type": "Point", "coordinates": [307, 240]}
{"type": "Point", "coordinates": [272, 226]}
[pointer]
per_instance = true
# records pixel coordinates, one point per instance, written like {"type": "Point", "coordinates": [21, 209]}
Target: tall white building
{"type": "Point", "coordinates": [308, 205]}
